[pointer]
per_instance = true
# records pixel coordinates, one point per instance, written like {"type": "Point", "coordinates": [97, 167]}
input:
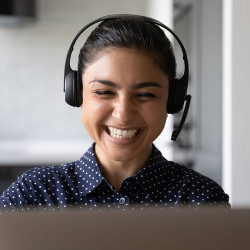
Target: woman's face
{"type": "Point", "coordinates": [124, 103]}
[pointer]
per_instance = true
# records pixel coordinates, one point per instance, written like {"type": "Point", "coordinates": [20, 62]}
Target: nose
{"type": "Point", "coordinates": [124, 111]}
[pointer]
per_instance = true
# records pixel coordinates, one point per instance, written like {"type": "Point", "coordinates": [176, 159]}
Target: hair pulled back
{"type": "Point", "coordinates": [129, 33]}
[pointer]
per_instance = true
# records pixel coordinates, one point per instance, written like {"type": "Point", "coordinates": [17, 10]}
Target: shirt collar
{"type": "Point", "coordinates": [88, 173]}
{"type": "Point", "coordinates": [89, 176]}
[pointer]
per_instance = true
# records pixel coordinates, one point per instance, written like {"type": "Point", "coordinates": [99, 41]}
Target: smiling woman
{"type": "Point", "coordinates": [131, 104]}
{"type": "Point", "coordinates": [125, 84]}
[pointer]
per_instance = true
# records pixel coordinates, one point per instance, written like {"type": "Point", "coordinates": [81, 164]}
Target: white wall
{"type": "Point", "coordinates": [236, 102]}
{"type": "Point", "coordinates": [208, 85]}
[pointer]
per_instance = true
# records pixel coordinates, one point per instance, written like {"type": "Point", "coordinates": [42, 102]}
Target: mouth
{"type": "Point", "coordinates": [122, 133]}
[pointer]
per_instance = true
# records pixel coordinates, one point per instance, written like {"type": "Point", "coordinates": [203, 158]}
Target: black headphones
{"type": "Point", "coordinates": [178, 90]}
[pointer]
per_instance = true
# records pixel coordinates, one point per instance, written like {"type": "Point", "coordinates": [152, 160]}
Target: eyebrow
{"type": "Point", "coordinates": [147, 84]}
{"type": "Point", "coordinates": [105, 82]}
{"type": "Point", "coordinates": [136, 86]}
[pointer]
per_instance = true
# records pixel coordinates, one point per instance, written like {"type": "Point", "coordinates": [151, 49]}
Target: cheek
{"type": "Point", "coordinates": [93, 112]}
{"type": "Point", "coordinates": [156, 112]}
{"type": "Point", "coordinates": [155, 117]}
{"type": "Point", "coordinates": [158, 118]}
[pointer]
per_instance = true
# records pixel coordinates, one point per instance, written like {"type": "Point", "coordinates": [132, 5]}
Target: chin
{"type": "Point", "coordinates": [121, 155]}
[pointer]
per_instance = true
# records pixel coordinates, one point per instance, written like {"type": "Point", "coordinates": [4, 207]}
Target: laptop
{"type": "Point", "coordinates": [117, 229]}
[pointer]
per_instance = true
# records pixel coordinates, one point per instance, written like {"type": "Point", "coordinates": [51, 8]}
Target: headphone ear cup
{"type": "Point", "coordinates": [69, 88]}
{"type": "Point", "coordinates": [177, 95]}
{"type": "Point", "coordinates": [73, 89]}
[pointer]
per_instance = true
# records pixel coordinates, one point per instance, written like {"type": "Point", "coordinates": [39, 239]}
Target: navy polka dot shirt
{"type": "Point", "coordinates": [81, 183]}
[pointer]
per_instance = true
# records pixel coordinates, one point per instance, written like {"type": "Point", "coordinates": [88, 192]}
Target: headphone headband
{"type": "Point", "coordinates": [127, 16]}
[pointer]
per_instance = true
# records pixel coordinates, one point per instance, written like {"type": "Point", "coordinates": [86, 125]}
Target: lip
{"type": "Point", "coordinates": [122, 141]}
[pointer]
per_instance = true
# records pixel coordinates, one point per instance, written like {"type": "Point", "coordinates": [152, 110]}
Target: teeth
{"type": "Point", "coordinates": [111, 129]}
{"type": "Point", "coordinates": [122, 134]}
{"type": "Point", "coordinates": [125, 133]}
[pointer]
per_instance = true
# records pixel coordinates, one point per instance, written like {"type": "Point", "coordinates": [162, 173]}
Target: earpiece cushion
{"type": "Point", "coordinates": [73, 89]}
{"type": "Point", "coordinates": [69, 88]}
{"type": "Point", "coordinates": [78, 88]}
{"type": "Point", "coordinates": [177, 94]}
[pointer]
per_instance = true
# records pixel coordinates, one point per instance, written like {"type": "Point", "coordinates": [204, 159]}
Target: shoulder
{"type": "Point", "coordinates": [48, 172]}
{"type": "Point", "coordinates": [33, 185]}
{"type": "Point", "coordinates": [47, 184]}
{"type": "Point", "coordinates": [48, 178]}
{"type": "Point", "coordinates": [188, 176]}
{"type": "Point", "coordinates": [198, 188]}
{"type": "Point", "coordinates": [189, 185]}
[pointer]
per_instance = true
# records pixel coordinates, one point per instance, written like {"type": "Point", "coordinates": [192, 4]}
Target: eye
{"type": "Point", "coordinates": [146, 95]}
{"type": "Point", "coordinates": [104, 92]}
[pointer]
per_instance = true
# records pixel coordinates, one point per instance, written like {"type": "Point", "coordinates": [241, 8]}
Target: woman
{"type": "Point", "coordinates": [126, 68]}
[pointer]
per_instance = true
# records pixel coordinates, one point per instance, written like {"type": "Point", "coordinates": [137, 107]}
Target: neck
{"type": "Point", "coordinates": [117, 171]}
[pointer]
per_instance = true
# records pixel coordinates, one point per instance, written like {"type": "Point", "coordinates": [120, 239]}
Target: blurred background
{"type": "Point", "coordinates": [38, 128]}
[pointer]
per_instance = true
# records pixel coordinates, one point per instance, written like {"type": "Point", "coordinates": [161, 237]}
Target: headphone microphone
{"type": "Point", "coordinates": [178, 89]}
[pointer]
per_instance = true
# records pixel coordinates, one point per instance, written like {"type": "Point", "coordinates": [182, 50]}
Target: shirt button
{"type": "Point", "coordinates": [122, 200]}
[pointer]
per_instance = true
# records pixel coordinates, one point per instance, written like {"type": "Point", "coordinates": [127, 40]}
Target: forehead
{"type": "Point", "coordinates": [125, 65]}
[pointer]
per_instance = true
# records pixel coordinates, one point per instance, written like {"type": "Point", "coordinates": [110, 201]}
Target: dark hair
{"type": "Point", "coordinates": [129, 33]}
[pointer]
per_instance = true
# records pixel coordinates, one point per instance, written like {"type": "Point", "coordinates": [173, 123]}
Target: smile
{"type": "Point", "coordinates": [121, 133]}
